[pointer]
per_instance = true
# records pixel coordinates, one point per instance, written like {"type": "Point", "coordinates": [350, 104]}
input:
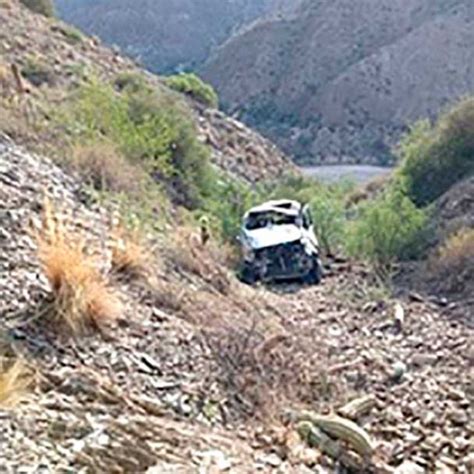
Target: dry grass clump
{"type": "Point", "coordinates": [82, 297]}
{"type": "Point", "coordinates": [130, 255]}
{"type": "Point", "coordinates": [260, 372]}
{"type": "Point", "coordinates": [103, 167]}
{"type": "Point", "coordinates": [14, 382]}
{"type": "Point", "coordinates": [169, 296]}
{"type": "Point", "coordinates": [189, 256]}
{"type": "Point", "coordinates": [454, 263]}
{"type": "Point", "coordinates": [458, 248]}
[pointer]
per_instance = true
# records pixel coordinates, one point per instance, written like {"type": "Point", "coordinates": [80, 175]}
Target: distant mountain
{"type": "Point", "coordinates": [340, 80]}
{"type": "Point", "coordinates": [167, 35]}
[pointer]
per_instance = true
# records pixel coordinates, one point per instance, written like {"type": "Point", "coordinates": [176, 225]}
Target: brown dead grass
{"type": "Point", "coordinates": [130, 253]}
{"type": "Point", "coordinates": [82, 297]}
{"type": "Point", "coordinates": [457, 248]}
{"type": "Point", "coordinates": [453, 265]}
{"type": "Point", "coordinates": [15, 379]}
{"type": "Point", "coordinates": [261, 372]}
{"type": "Point", "coordinates": [189, 257]}
{"type": "Point", "coordinates": [103, 167]}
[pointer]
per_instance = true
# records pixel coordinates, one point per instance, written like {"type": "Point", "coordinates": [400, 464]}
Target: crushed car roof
{"type": "Point", "coordinates": [281, 206]}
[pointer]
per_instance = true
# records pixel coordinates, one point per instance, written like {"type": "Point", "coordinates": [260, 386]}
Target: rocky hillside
{"type": "Point", "coordinates": [135, 349]}
{"type": "Point", "coordinates": [55, 58]}
{"type": "Point", "coordinates": [157, 390]}
{"type": "Point", "coordinates": [339, 81]}
{"type": "Point", "coordinates": [167, 35]}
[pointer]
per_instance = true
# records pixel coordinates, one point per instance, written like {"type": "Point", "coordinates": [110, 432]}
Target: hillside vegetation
{"type": "Point", "coordinates": [128, 344]}
{"type": "Point", "coordinates": [434, 158]}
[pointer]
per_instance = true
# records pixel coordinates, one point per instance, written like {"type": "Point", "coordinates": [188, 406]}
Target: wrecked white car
{"type": "Point", "coordinates": [279, 243]}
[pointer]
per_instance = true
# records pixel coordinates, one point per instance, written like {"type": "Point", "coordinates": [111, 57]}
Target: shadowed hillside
{"type": "Point", "coordinates": [339, 80]}
{"type": "Point", "coordinates": [167, 35]}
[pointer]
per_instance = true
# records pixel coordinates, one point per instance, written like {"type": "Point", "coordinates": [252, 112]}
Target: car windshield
{"type": "Point", "coordinates": [264, 219]}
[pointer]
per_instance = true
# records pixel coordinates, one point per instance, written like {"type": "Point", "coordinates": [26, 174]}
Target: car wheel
{"type": "Point", "coordinates": [315, 275]}
{"type": "Point", "coordinates": [248, 275]}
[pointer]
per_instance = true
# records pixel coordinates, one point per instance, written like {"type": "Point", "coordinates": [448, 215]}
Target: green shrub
{"type": "Point", "coordinates": [227, 203]}
{"type": "Point", "coordinates": [43, 7]}
{"type": "Point", "coordinates": [436, 157]}
{"type": "Point", "coordinates": [147, 129]}
{"type": "Point", "coordinates": [189, 172]}
{"type": "Point", "coordinates": [386, 229]}
{"type": "Point", "coordinates": [192, 85]}
{"type": "Point", "coordinates": [130, 81]}
{"type": "Point", "coordinates": [327, 209]}
{"type": "Point", "coordinates": [326, 204]}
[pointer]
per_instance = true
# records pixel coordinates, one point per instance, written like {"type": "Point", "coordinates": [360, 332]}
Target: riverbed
{"type": "Point", "coordinates": [358, 174]}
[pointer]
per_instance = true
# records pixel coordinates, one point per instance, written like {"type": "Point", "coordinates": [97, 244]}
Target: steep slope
{"type": "Point", "coordinates": [60, 58]}
{"type": "Point", "coordinates": [340, 80]}
{"type": "Point", "coordinates": [159, 390]}
{"type": "Point", "coordinates": [449, 268]}
{"type": "Point", "coordinates": [195, 370]}
{"type": "Point", "coordinates": [167, 35]}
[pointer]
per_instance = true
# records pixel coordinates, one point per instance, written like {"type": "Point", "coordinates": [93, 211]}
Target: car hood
{"type": "Point", "coordinates": [270, 236]}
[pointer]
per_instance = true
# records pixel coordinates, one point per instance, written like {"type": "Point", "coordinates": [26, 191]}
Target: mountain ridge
{"type": "Point", "coordinates": [168, 36]}
{"type": "Point", "coordinates": [293, 92]}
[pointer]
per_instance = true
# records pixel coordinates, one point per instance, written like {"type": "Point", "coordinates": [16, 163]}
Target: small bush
{"type": "Point", "coordinates": [435, 158]}
{"type": "Point", "coordinates": [387, 229]}
{"type": "Point", "coordinates": [148, 129]}
{"type": "Point", "coordinates": [327, 209]}
{"type": "Point", "coordinates": [458, 247]}
{"type": "Point", "coordinates": [192, 85]}
{"type": "Point", "coordinates": [227, 204]}
{"type": "Point", "coordinates": [261, 372]}
{"type": "Point", "coordinates": [129, 254]}
{"type": "Point", "coordinates": [453, 266]}
{"type": "Point", "coordinates": [106, 169]}
{"type": "Point", "coordinates": [43, 7]}
{"type": "Point", "coordinates": [130, 81]}
{"type": "Point", "coordinates": [82, 297]}
{"type": "Point", "coordinates": [15, 379]}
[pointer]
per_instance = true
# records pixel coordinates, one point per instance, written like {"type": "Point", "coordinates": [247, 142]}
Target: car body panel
{"type": "Point", "coordinates": [278, 240]}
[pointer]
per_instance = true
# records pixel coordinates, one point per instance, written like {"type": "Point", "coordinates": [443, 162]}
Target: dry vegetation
{"type": "Point", "coordinates": [263, 371]}
{"type": "Point", "coordinates": [189, 255]}
{"type": "Point", "coordinates": [82, 297]}
{"type": "Point", "coordinates": [259, 364]}
{"type": "Point", "coordinates": [15, 379]}
{"type": "Point", "coordinates": [453, 265]}
{"type": "Point", "coordinates": [130, 254]}
{"type": "Point", "coordinates": [104, 168]}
